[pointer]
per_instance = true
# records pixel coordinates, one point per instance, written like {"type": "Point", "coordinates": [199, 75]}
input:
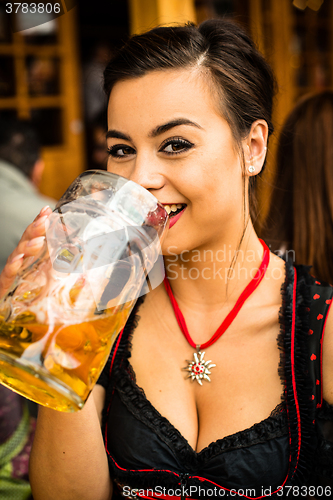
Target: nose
{"type": "Point", "coordinates": [147, 172]}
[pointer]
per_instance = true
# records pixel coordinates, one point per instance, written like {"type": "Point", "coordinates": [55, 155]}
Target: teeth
{"type": "Point", "coordinates": [172, 208]}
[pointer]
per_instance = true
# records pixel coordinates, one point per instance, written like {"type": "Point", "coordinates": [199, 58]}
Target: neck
{"type": "Point", "coordinates": [205, 279]}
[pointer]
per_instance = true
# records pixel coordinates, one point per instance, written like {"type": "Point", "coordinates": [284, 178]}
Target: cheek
{"type": "Point", "coordinates": [220, 160]}
{"type": "Point", "coordinates": [220, 198]}
{"type": "Point", "coordinates": [113, 168]}
{"type": "Point", "coordinates": [216, 181]}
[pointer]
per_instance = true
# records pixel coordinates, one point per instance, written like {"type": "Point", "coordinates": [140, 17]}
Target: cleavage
{"type": "Point", "coordinates": [194, 410]}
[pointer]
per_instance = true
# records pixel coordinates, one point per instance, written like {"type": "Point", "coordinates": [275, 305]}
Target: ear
{"type": "Point", "coordinates": [255, 147]}
{"type": "Point", "coordinates": [37, 172]}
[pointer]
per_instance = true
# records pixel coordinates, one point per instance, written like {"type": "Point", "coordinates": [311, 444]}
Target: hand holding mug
{"type": "Point", "coordinates": [71, 284]}
{"type": "Point", "coordinates": [29, 246]}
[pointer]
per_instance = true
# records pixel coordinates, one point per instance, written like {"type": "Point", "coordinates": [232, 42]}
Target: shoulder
{"type": "Point", "coordinates": [98, 394]}
{"type": "Point", "coordinates": [327, 360]}
{"type": "Point", "coordinates": [32, 202]}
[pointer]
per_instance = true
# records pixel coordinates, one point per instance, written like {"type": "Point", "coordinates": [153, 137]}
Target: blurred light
{"type": "Point", "coordinates": [315, 4]}
{"type": "Point", "coordinates": [295, 61]}
{"type": "Point", "coordinates": [300, 4]}
{"type": "Point", "coordinates": [312, 4]}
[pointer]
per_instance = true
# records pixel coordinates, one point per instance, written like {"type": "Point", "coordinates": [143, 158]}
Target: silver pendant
{"type": "Point", "coordinates": [199, 368]}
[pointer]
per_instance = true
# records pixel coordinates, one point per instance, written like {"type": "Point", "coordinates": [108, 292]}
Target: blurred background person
{"type": "Point", "coordinates": [17, 430]}
{"type": "Point", "coordinates": [300, 219]}
{"type": "Point", "coordinates": [21, 169]}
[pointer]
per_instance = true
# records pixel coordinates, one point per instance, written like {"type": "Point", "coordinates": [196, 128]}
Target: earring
{"type": "Point", "coordinates": [251, 169]}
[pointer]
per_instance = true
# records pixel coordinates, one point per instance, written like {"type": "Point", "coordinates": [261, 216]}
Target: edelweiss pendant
{"type": "Point", "coordinates": [199, 368]}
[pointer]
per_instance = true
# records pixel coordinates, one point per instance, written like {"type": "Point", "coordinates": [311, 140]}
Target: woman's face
{"type": "Point", "coordinates": [166, 134]}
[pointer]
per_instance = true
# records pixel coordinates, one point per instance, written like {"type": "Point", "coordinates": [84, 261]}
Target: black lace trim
{"type": "Point", "coordinates": [326, 411]}
{"type": "Point", "coordinates": [281, 407]}
{"type": "Point", "coordinates": [136, 402]}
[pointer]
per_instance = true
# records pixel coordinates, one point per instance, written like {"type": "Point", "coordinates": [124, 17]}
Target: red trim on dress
{"type": "Point", "coordinates": [191, 477]}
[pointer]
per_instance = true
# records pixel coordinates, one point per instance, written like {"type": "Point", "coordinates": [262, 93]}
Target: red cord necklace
{"type": "Point", "coordinates": [199, 369]}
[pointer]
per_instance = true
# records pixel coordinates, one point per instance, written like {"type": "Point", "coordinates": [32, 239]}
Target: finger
{"type": "Point", "coordinates": [30, 244]}
{"type": "Point", "coordinates": [39, 221]}
{"type": "Point", "coordinates": [39, 225]}
{"type": "Point", "coordinates": [26, 248]}
{"type": "Point", "coordinates": [17, 258]}
{"type": "Point", "coordinates": [36, 229]}
{"type": "Point", "coordinates": [15, 262]}
{"type": "Point", "coordinates": [32, 247]}
{"type": "Point", "coordinates": [44, 211]}
{"type": "Point", "coordinates": [35, 243]}
{"type": "Point", "coordinates": [9, 272]}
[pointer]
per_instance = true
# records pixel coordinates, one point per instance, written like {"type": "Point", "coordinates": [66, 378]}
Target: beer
{"type": "Point", "coordinates": [70, 357]}
{"type": "Point", "coordinates": [66, 306]}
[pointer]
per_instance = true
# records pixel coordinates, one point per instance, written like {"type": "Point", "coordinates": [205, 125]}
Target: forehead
{"type": "Point", "coordinates": [162, 95]}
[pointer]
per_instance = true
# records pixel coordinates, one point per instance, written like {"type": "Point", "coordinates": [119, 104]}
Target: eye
{"type": "Point", "coordinates": [120, 151]}
{"type": "Point", "coordinates": [175, 146]}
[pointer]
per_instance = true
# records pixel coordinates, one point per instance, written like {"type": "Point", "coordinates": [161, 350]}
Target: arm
{"type": "Point", "coordinates": [68, 459]}
{"type": "Point", "coordinates": [328, 359]}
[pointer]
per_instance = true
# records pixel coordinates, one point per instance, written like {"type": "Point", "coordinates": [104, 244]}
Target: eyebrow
{"type": "Point", "coordinates": [160, 129]}
{"type": "Point", "coordinates": [117, 135]}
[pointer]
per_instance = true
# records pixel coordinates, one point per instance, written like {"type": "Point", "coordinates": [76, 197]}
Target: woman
{"type": "Point", "coordinates": [189, 119]}
{"type": "Point", "coordinates": [301, 214]}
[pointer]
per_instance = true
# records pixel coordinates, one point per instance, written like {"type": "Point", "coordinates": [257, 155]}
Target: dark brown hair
{"type": "Point", "coordinates": [301, 212]}
{"type": "Point", "coordinates": [242, 78]}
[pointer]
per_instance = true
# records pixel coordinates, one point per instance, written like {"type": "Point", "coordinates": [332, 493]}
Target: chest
{"type": "Point", "coordinates": [245, 385]}
{"type": "Point", "coordinates": [145, 432]}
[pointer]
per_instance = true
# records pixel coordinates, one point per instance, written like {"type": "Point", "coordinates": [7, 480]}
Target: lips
{"type": "Point", "coordinates": [176, 217]}
{"type": "Point", "coordinates": [175, 211]}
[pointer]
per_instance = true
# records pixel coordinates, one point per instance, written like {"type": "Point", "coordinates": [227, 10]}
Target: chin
{"type": "Point", "coordinates": [170, 249]}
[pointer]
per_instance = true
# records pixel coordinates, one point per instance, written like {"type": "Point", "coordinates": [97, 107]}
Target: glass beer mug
{"type": "Point", "coordinates": [60, 318]}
